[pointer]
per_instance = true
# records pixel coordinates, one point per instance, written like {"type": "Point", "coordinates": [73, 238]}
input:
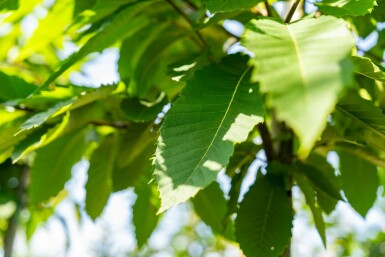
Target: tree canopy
{"type": "Point", "coordinates": [289, 86]}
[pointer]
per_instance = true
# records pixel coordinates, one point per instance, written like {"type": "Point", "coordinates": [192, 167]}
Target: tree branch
{"type": "Point", "coordinates": [13, 222]}
{"type": "Point", "coordinates": [292, 11]}
{"type": "Point", "coordinates": [266, 140]}
{"type": "Point", "coordinates": [268, 9]}
{"type": "Point", "coordinates": [185, 17]}
{"type": "Point", "coordinates": [114, 124]}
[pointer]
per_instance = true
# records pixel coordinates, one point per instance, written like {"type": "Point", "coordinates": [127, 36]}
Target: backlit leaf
{"type": "Point", "coordinates": [52, 165]}
{"type": "Point", "coordinates": [144, 211]}
{"type": "Point", "coordinates": [340, 8]}
{"type": "Point", "coordinates": [99, 183]}
{"type": "Point", "coordinates": [290, 61]}
{"type": "Point", "coordinates": [229, 5]}
{"type": "Point", "coordinates": [359, 182]}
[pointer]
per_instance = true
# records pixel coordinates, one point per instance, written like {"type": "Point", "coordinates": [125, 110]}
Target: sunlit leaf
{"type": "Point", "coordinates": [340, 8]}
{"type": "Point", "coordinates": [289, 69]}
{"type": "Point", "coordinates": [229, 5]}
{"type": "Point", "coordinates": [218, 108]}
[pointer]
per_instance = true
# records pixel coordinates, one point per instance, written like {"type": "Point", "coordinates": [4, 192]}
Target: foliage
{"type": "Point", "coordinates": [185, 109]}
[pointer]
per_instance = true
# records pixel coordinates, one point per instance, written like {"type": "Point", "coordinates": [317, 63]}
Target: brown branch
{"type": "Point", "coordinates": [292, 11]}
{"type": "Point", "coordinates": [13, 222]}
{"type": "Point", "coordinates": [268, 9]}
{"type": "Point", "coordinates": [185, 17]}
{"type": "Point", "coordinates": [114, 124]}
{"type": "Point", "coordinates": [266, 140]}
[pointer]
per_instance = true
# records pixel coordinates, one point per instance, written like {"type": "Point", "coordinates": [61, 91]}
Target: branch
{"type": "Point", "coordinates": [268, 9]}
{"type": "Point", "coordinates": [292, 11]}
{"type": "Point", "coordinates": [199, 35]}
{"type": "Point", "coordinates": [13, 222]}
{"type": "Point", "coordinates": [266, 140]}
{"type": "Point", "coordinates": [114, 124]}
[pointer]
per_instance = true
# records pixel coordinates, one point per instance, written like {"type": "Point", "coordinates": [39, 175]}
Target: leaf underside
{"type": "Point", "coordinates": [302, 66]}
{"type": "Point", "coordinates": [264, 221]}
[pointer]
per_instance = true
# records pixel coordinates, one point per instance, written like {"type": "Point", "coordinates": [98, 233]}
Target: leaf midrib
{"type": "Point", "coordinates": [305, 82]}
{"type": "Point", "coordinates": [220, 125]}
{"type": "Point", "coordinates": [267, 214]}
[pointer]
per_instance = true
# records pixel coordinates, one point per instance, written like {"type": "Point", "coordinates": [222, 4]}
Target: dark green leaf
{"type": "Point", "coordinates": [133, 159]}
{"type": "Point", "coordinates": [140, 111]}
{"type": "Point", "coordinates": [144, 212]}
{"type": "Point", "coordinates": [217, 108]}
{"type": "Point", "coordinates": [9, 4]}
{"type": "Point", "coordinates": [13, 87]}
{"type": "Point", "coordinates": [310, 196]}
{"type": "Point", "coordinates": [99, 183]}
{"type": "Point", "coordinates": [264, 221]}
{"type": "Point", "coordinates": [211, 206]}
{"type": "Point", "coordinates": [320, 180]}
{"type": "Point", "coordinates": [52, 165]}
{"type": "Point", "coordinates": [244, 155]}
{"type": "Point", "coordinates": [359, 182]}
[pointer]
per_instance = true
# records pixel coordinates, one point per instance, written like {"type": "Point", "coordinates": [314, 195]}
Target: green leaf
{"type": "Point", "coordinates": [144, 211]}
{"type": "Point", "coordinates": [85, 97]}
{"type": "Point", "coordinates": [99, 183]}
{"type": "Point", "coordinates": [229, 5]}
{"type": "Point", "coordinates": [9, 125]}
{"type": "Point", "coordinates": [310, 197]}
{"type": "Point", "coordinates": [82, 5]}
{"type": "Point", "coordinates": [38, 119]}
{"type": "Point", "coordinates": [340, 8]}
{"type": "Point", "coordinates": [320, 180]}
{"type": "Point", "coordinates": [359, 182]}
{"type": "Point", "coordinates": [9, 4]}
{"type": "Point", "coordinates": [264, 221]}
{"type": "Point", "coordinates": [52, 165]}
{"type": "Point", "coordinates": [123, 25]}
{"type": "Point", "coordinates": [289, 69]}
{"type": "Point", "coordinates": [363, 111]}
{"type": "Point", "coordinates": [244, 155]}
{"type": "Point", "coordinates": [217, 108]}
{"type": "Point", "coordinates": [211, 206]}
{"type": "Point", "coordinates": [50, 28]}
{"type": "Point", "coordinates": [13, 87]}
{"type": "Point", "coordinates": [378, 11]}
{"type": "Point", "coordinates": [367, 68]}
{"type": "Point", "coordinates": [133, 159]}
{"type": "Point", "coordinates": [141, 111]}
{"type": "Point", "coordinates": [161, 44]}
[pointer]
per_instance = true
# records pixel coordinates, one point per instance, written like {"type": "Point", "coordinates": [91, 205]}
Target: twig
{"type": "Point", "coordinates": [114, 124]}
{"type": "Point", "coordinates": [292, 11]}
{"type": "Point", "coordinates": [268, 9]}
{"type": "Point", "coordinates": [199, 35]}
